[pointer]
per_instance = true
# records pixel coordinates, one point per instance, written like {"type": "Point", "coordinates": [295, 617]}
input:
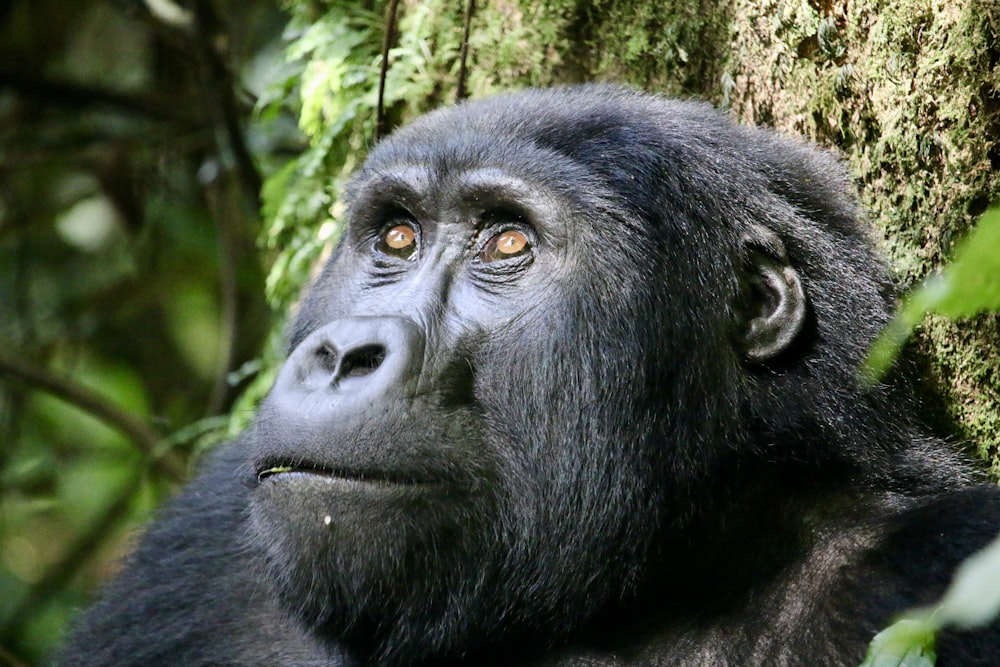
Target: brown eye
{"type": "Point", "coordinates": [400, 241]}
{"type": "Point", "coordinates": [504, 245]}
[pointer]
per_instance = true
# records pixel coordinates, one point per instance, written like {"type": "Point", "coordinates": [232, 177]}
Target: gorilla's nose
{"type": "Point", "coordinates": [359, 358]}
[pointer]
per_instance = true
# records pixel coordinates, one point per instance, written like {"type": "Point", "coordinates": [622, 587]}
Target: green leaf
{"type": "Point", "coordinates": [971, 283]}
{"type": "Point", "coordinates": [973, 599]}
{"type": "Point", "coordinates": [906, 643]}
{"type": "Point", "coordinates": [967, 286]}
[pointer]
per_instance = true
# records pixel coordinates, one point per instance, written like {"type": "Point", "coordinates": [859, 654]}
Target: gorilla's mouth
{"type": "Point", "coordinates": [273, 470]}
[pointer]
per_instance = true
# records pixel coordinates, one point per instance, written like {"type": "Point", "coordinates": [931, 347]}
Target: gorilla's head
{"type": "Point", "coordinates": [556, 323]}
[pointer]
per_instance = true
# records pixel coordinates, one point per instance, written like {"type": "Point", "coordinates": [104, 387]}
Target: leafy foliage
{"type": "Point", "coordinates": [972, 600]}
{"type": "Point", "coordinates": [968, 286]}
{"type": "Point", "coordinates": [131, 289]}
{"type": "Point", "coordinates": [906, 643]}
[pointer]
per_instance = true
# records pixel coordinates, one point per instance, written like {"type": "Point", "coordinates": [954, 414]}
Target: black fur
{"type": "Point", "coordinates": [640, 442]}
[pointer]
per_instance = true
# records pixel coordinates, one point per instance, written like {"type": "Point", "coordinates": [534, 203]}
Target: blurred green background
{"type": "Point", "coordinates": [131, 285]}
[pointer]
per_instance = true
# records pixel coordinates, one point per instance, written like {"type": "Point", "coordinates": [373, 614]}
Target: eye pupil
{"type": "Point", "coordinates": [399, 237]}
{"type": "Point", "coordinates": [511, 242]}
{"type": "Point", "coordinates": [506, 244]}
{"type": "Point", "coordinates": [400, 241]}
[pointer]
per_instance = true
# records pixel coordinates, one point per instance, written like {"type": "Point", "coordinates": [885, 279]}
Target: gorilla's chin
{"type": "Point", "coordinates": [396, 562]}
{"type": "Point", "coordinates": [412, 572]}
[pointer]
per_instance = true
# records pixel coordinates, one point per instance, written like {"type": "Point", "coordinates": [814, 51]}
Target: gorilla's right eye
{"type": "Point", "coordinates": [400, 241]}
{"type": "Point", "coordinates": [505, 245]}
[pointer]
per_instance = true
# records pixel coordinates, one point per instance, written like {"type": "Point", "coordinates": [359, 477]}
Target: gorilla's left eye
{"type": "Point", "coordinates": [504, 245]}
{"type": "Point", "coordinates": [400, 241]}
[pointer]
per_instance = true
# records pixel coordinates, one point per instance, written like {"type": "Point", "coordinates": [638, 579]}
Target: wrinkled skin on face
{"type": "Point", "coordinates": [578, 386]}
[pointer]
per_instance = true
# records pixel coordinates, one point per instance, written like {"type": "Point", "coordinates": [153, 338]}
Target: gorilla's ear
{"type": "Point", "coordinates": [772, 307]}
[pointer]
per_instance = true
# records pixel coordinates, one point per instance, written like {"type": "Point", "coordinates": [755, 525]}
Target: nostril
{"type": "Point", "coordinates": [326, 357]}
{"type": "Point", "coordinates": [361, 361]}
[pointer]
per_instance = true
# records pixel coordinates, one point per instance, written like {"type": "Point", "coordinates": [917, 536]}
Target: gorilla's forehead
{"type": "Point", "coordinates": [468, 157]}
{"type": "Point", "coordinates": [441, 186]}
{"type": "Point", "coordinates": [586, 122]}
{"type": "Point", "coordinates": [600, 146]}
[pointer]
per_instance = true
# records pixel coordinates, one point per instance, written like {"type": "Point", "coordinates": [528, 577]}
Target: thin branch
{"type": "Point", "coordinates": [219, 83]}
{"type": "Point", "coordinates": [139, 432]}
{"type": "Point", "coordinates": [461, 93]}
{"type": "Point", "coordinates": [202, 33]}
{"type": "Point", "coordinates": [218, 195]}
{"type": "Point", "coordinates": [198, 31]}
{"type": "Point", "coordinates": [388, 39]}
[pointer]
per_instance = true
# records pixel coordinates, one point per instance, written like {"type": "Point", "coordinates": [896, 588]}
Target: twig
{"type": "Point", "coordinates": [218, 196]}
{"type": "Point", "coordinates": [197, 30]}
{"type": "Point", "coordinates": [461, 93]}
{"type": "Point", "coordinates": [388, 38]}
{"type": "Point", "coordinates": [202, 33]}
{"type": "Point", "coordinates": [218, 83]}
{"type": "Point", "coordinates": [139, 432]}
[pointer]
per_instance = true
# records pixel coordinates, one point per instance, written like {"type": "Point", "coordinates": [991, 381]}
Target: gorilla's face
{"type": "Point", "coordinates": [497, 383]}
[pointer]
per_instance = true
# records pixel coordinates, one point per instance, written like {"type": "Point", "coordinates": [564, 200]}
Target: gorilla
{"type": "Point", "coordinates": [578, 386]}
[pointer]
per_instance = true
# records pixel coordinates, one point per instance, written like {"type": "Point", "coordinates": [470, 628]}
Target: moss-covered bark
{"type": "Point", "coordinates": [908, 90]}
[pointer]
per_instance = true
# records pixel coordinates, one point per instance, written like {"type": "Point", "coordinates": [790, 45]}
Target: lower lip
{"type": "Point", "coordinates": [334, 482]}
